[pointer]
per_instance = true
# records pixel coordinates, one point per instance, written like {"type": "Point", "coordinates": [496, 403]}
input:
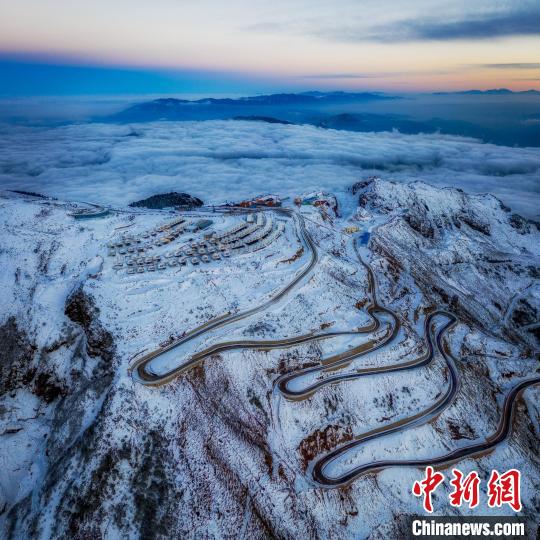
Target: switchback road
{"type": "Point", "coordinates": [143, 372]}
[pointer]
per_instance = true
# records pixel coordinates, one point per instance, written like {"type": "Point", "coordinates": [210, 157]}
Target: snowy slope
{"type": "Point", "coordinates": [218, 453]}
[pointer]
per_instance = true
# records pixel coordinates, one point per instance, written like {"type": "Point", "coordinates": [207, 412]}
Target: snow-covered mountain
{"type": "Point", "coordinates": [218, 451]}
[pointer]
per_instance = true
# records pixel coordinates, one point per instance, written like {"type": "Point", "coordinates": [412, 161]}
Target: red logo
{"type": "Point", "coordinates": [427, 486]}
{"type": "Point", "coordinates": [505, 489]}
{"type": "Point", "coordinates": [501, 488]}
{"type": "Point", "coordinates": [465, 490]}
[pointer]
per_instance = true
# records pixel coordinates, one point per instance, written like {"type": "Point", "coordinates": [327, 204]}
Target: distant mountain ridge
{"type": "Point", "coordinates": [361, 111]}
{"type": "Point", "coordinates": [214, 108]}
{"type": "Point", "coordinates": [277, 99]}
{"type": "Point", "coordinates": [266, 119]}
{"type": "Point", "coordinates": [491, 91]}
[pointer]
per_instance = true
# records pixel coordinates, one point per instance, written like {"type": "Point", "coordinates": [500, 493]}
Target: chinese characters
{"type": "Point", "coordinates": [501, 488]}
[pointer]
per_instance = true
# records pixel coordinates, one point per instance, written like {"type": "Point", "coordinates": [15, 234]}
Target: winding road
{"type": "Point", "coordinates": [143, 372]}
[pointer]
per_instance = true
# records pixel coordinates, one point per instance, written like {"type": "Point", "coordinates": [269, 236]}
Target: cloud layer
{"type": "Point", "coordinates": [228, 160]}
{"type": "Point", "coordinates": [521, 22]}
{"type": "Point", "coordinates": [477, 21]}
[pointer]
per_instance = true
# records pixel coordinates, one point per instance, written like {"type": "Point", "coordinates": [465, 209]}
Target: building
{"type": "Point", "coordinates": [88, 213]}
{"type": "Point", "coordinates": [261, 200]}
{"type": "Point", "coordinates": [320, 199]}
{"type": "Point", "coordinates": [202, 224]}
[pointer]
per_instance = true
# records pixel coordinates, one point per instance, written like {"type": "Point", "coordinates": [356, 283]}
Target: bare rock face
{"type": "Point", "coordinates": [16, 357]}
{"type": "Point", "coordinates": [81, 309]}
{"type": "Point", "coordinates": [322, 441]}
{"type": "Point", "coordinates": [20, 365]}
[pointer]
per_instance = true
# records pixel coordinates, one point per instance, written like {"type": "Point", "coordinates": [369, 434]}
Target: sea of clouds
{"type": "Point", "coordinates": [227, 160]}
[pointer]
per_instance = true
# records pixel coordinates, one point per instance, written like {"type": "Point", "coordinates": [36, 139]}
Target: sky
{"type": "Point", "coordinates": [169, 46]}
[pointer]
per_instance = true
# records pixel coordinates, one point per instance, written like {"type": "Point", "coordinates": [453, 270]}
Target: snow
{"type": "Point", "coordinates": [230, 441]}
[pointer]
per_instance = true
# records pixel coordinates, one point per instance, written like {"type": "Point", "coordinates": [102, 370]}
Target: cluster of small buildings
{"type": "Point", "coordinates": [255, 232]}
{"type": "Point", "coordinates": [320, 199]}
{"type": "Point", "coordinates": [195, 253]}
{"type": "Point", "coordinates": [261, 200]}
{"type": "Point", "coordinates": [252, 234]}
{"type": "Point", "coordinates": [205, 250]}
{"type": "Point", "coordinates": [160, 236]}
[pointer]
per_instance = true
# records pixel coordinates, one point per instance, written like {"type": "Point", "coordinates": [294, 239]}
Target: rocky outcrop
{"type": "Point", "coordinates": [81, 309]}
{"type": "Point", "coordinates": [21, 365]}
{"type": "Point", "coordinates": [16, 357]}
{"type": "Point", "coordinates": [168, 200]}
{"type": "Point", "coordinates": [322, 441]}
